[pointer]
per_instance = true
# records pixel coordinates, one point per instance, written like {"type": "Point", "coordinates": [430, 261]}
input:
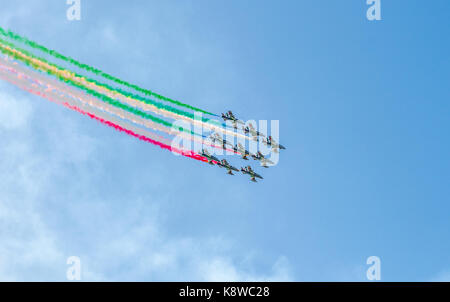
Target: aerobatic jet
{"type": "Point", "coordinates": [241, 150]}
{"type": "Point", "coordinates": [229, 116]}
{"type": "Point", "coordinates": [224, 164]}
{"type": "Point", "coordinates": [253, 132]}
{"type": "Point", "coordinates": [270, 142]}
{"type": "Point", "coordinates": [248, 170]}
{"type": "Point", "coordinates": [264, 161]}
{"type": "Point", "coordinates": [211, 158]}
{"type": "Point", "coordinates": [215, 137]}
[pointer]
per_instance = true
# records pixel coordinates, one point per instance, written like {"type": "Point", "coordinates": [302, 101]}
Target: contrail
{"type": "Point", "coordinates": [27, 85]}
{"type": "Point", "coordinates": [190, 154]}
{"type": "Point", "coordinates": [92, 86]}
{"type": "Point", "coordinates": [96, 71]}
{"type": "Point", "coordinates": [65, 76]}
{"type": "Point", "coordinates": [60, 95]}
{"type": "Point", "coordinates": [93, 102]}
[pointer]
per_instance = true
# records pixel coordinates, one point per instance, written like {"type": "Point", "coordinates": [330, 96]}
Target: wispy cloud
{"type": "Point", "coordinates": [443, 276]}
{"type": "Point", "coordinates": [50, 209]}
{"type": "Point", "coordinates": [59, 194]}
{"type": "Point", "coordinates": [14, 111]}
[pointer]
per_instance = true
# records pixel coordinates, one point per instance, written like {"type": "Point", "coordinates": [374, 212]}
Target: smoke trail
{"type": "Point", "coordinates": [93, 102]}
{"type": "Point", "coordinates": [65, 76]}
{"type": "Point", "coordinates": [190, 154]}
{"type": "Point", "coordinates": [52, 85]}
{"type": "Point", "coordinates": [46, 90]}
{"type": "Point", "coordinates": [88, 85]}
{"type": "Point", "coordinates": [96, 71]}
{"type": "Point", "coordinates": [22, 83]}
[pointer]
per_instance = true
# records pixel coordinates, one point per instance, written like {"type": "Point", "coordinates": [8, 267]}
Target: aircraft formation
{"type": "Point", "coordinates": [129, 108]}
{"type": "Point", "coordinates": [240, 150]}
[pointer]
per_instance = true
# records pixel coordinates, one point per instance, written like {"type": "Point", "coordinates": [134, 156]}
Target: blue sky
{"type": "Point", "coordinates": [363, 110]}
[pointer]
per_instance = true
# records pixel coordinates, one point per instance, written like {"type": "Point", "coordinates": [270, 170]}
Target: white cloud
{"type": "Point", "coordinates": [222, 269]}
{"type": "Point", "coordinates": [29, 249]}
{"type": "Point", "coordinates": [443, 276]}
{"type": "Point", "coordinates": [148, 253]}
{"type": "Point", "coordinates": [113, 242]}
{"type": "Point", "coordinates": [129, 243]}
{"type": "Point", "coordinates": [27, 243]}
{"type": "Point", "coordinates": [14, 112]}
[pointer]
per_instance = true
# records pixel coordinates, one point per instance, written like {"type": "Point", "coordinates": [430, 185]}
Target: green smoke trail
{"type": "Point", "coordinates": [18, 38]}
{"type": "Point", "coordinates": [100, 96]}
{"type": "Point", "coordinates": [121, 91]}
{"type": "Point", "coordinates": [156, 104]}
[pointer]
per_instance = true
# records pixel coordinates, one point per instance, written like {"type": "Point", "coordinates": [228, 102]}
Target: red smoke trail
{"type": "Point", "coordinates": [190, 154]}
{"type": "Point", "coordinates": [125, 115]}
{"type": "Point", "coordinates": [141, 137]}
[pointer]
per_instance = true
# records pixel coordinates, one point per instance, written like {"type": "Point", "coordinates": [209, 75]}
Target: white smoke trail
{"type": "Point", "coordinates": [118, 96]}
{"type": "Point", "coordinates": [44, 89]}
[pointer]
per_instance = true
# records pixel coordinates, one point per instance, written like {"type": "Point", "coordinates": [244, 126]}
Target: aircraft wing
{"type": "Point", "coordinates": [254, 174]}
{"type": "Point", "coordinates": [265, 161]}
